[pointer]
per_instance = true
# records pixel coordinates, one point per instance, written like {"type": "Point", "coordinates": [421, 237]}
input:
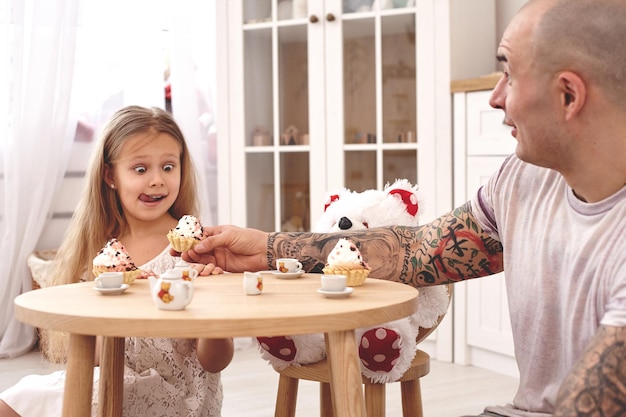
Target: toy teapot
{"type": "Point", "coordinates": [189, 274]}
{"type": "Point", "coordinates": [170, 291]}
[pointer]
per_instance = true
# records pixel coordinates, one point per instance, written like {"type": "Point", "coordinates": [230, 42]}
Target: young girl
{"type": "Point", "coordinates": [140, 182]}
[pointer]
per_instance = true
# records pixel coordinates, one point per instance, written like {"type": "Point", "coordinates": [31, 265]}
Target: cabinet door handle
{"type": "Point", "coordinates": [330, 17]}
{"type": "Point", "coordinates": [313, 19]}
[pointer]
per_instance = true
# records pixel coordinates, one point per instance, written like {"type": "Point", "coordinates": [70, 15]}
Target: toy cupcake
{"type": "Point", "coordinates": [113, 257]}
{"type": "Point", "coordinates": [345, 259]}
{"type": "Point", "coordinates": [187, 233]}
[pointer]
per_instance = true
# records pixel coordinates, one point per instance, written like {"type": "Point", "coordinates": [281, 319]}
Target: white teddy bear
{"type": "Point", "coordinates": [386, 351]}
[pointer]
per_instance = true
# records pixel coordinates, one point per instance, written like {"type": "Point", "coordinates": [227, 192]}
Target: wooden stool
{"type": "Point", "coordinates": [374, 392]}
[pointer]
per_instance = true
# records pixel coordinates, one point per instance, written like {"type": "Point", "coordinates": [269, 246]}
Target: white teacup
{"type": "Point", "coordinates": [252, 283]}
{"type": "Point", "coordinates": [287, 265]}
{"type": "Point", "coordinates": [110, 280]}
{"type": "Point", "coordinates": [335, 283]}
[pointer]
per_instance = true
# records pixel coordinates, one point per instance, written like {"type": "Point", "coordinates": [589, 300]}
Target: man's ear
{"type": "Point", "coordinates": [573, 92]}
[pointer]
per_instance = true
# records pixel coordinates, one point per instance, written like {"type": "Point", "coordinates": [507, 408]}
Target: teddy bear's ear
{"type": "Point", "coordinates": [408, 198]}
{"type": "Point", "coordinates": [331, 199]}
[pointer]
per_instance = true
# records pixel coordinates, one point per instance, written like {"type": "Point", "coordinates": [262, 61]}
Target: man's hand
{"type": "Point", "coordinates": [230, 248]}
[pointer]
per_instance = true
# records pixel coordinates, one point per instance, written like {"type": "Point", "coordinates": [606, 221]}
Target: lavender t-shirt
{"type": "Point", "coordinates": [565, 271]}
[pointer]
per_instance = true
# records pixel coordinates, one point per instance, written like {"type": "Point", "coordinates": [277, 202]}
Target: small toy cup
{"type": "Point", "coordinates": [110, 280]}
{"type": "Point", "coordinates": [288, 265]}
{"type": "Point", "coordinates": [252, 283]}
{"type": "Point", "coordinates": [335, 283]}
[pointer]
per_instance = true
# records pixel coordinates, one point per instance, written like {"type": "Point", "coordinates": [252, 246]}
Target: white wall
{"type": "Point", "coordinates": [472, 38]}
{"type": "Point", "coordinates": [67, 197]}
{"type": "Point", "coordinates": [505, 10]}
{"type": "Point", "coordinates": [476, 27]}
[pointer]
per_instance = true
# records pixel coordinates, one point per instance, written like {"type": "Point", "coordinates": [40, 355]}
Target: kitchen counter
{"type": "Point", "coordinates": [486, 82]}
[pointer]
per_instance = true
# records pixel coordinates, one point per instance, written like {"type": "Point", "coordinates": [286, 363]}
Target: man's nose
{"type": "Point", "coordinates": [498, 95]}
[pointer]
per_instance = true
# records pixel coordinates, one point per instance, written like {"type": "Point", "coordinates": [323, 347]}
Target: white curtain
{"type": "Point", "coordinates": [36, 132]}
{"type": "Point", "coordinates": [71, 60]}
{"type": "Point", "coordinates": [192, 61]}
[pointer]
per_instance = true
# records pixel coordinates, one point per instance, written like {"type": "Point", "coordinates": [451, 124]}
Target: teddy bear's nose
{"type": "Point", "coordinates": [345, 223]}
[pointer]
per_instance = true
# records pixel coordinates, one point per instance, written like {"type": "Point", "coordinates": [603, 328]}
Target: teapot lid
{"type": "Point", "coordinates": [182, 264]}
{"type": "Point", "coordinates": [172, 274]}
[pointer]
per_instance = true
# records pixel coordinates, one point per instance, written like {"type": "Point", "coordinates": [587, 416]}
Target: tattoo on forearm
{"type": "Point", "coordinates": [310, 249]}
{"type": "Point", "coordinates": [596, 386]}
{"type": "Point", "coordinates": [450, 249]}
{"type": "Point", "coordinates": [270, 250]}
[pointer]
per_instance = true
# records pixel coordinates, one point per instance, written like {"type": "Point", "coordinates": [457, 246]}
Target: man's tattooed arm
{"type": "Point", "coordinates": [449, 249]}
{"type": "Point", "coordinates": [596, 385]}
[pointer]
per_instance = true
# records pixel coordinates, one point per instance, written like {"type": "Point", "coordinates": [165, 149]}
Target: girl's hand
{"type": "Point", "coordinates": [206, 270]}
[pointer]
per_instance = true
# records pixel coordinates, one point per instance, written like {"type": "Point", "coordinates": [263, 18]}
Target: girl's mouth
{"type": "Point", "coordinates": [151, 198]}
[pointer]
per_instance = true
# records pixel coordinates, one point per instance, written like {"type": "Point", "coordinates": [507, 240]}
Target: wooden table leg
{"type": "Point", "coordinates": [79, 376]}
{"type": "Point", "coordinates": [111, 377]}
{"type": "Point", "coordinates": [345, 374]}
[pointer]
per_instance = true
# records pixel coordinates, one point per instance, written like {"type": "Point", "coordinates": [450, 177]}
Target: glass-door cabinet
{"type": "Point", "coordinates": [324, 94]}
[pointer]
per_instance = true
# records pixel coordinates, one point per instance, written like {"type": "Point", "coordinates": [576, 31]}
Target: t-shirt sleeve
{"type": "Point", "coordinates": [485, 202]}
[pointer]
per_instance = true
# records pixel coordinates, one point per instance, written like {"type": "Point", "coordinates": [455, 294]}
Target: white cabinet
{"type": "Point", "coordinates": [318, 95]}
{"type": "Point", "coordinates": [482, 331]}
{"type": "Point", "coordinates": [340, 93]}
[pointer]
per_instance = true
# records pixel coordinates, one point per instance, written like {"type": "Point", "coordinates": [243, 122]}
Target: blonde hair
{"type": "Point", "coordinates": [98, 216]}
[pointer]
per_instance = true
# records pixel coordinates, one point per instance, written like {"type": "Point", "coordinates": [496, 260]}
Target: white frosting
{"type": "Point", "coordinates": [114, 255]}
{"type": "Point", "coordinates": [345, 253]}
{"type": "Point", "coordinates": [189, 226]}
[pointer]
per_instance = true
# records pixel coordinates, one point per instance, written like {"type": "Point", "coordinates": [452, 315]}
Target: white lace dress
{"type": "Point", "coordinates": [162, 377]}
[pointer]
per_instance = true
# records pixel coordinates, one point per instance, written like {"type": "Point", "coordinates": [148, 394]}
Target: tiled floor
{"type": "Point", "coordinates": [250, 387]}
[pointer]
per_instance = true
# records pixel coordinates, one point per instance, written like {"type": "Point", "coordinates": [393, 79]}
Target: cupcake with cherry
{"type": "Point", "coordinates": [345, 259]}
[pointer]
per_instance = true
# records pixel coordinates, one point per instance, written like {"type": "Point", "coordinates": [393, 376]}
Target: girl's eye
{"type": "Point", "coordinates": [140, 169]}
{"type": "Point", "coordinates": [168, 167]}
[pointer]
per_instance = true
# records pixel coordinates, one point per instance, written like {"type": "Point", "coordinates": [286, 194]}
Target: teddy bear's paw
{"type": "Point", "coordinates": [386, 352]}
{"type": "Point", "coordinates": [379, 349]}
{"type": "Point", "coordinates": [281, 347]}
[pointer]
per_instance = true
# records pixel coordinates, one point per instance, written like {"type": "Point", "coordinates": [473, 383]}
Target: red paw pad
{"type": "Point", "coordinates": [281, 347]}
{"type": "Point", "coordinates": [379, 349]}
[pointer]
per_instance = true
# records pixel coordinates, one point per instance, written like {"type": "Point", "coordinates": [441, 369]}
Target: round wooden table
{"type": "Point", "coordinates": [219, 309]}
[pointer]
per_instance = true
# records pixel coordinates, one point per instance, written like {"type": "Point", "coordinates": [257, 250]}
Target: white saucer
{"type": "Point", "coordinates": [288, 275]}
{"type": "Point", "coordinates": [111, 291]}
{"type": "Point", "coordinates": [336, 294]}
